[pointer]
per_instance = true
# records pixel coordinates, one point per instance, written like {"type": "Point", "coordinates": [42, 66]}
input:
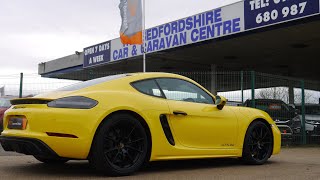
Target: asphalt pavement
{"type": "Point", "coordinates": [292, 163]}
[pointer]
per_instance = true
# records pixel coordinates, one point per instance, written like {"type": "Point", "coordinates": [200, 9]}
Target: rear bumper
{"type": "Point", "coordinates": [27, 146]}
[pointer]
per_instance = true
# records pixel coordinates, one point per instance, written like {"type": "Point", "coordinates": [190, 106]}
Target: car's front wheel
{"type": "Point", "coordinates": [258, 144]}
{"type": "Point", "coordinates": [120, 146]}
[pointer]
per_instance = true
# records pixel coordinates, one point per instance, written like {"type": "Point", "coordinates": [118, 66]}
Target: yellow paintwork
{"type": "Point", "coordinates": [205, 132]}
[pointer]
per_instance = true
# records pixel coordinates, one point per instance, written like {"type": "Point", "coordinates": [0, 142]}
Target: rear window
{"type": "Point", "coordinates": [4, 103]}
{"type": "Point", "coordinates": [148, 87]}
{"type": "Point", "coordinates": [92, 82]}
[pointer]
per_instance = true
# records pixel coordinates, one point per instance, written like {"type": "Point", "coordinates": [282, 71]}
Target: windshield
{"type": "Point", "coordinates": [4, 103]}
{"type": "Point", "coordinates": [92, 82]}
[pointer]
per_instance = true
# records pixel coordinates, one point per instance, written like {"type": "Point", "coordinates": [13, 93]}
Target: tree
{"type": "Point", "coordinates": [282, 93]}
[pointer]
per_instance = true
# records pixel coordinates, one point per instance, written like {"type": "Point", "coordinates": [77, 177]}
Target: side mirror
{"type": "Point", "coordinates": [220, 102]}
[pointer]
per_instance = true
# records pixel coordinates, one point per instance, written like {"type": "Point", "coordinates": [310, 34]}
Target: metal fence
{"type": "Point", "coordinates": [292, 103]}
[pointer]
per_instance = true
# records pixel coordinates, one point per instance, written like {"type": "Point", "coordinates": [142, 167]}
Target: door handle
{"type": "Point", "coordinates": [179, 113]}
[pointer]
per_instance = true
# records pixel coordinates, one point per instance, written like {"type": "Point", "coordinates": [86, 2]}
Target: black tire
{"type": "Point", "coordinates": [258, 144]}
{"type": "Point", "coordinates": [51, 160]}
{"type": "Point", "coordinates": [120, 146]}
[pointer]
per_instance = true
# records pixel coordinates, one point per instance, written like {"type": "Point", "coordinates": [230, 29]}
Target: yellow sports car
{"type": "Point", "coordinates": [120, 122]}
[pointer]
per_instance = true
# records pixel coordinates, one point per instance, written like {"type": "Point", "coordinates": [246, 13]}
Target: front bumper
{"type": "Point", "coordinates": [27, 146]}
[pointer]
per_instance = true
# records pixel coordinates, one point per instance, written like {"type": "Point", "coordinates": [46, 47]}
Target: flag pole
{"type": "Point", "coordinates": [143, 35]}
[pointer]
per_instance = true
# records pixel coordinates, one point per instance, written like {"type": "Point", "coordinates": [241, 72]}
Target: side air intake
{"type": "Point", "coordinates": [166, 129]}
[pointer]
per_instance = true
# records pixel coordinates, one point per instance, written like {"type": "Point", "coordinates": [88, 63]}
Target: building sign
{"type": "Point", "coordinates": [235, 18]}
{"type": "Point", "coordinates": [208, 25]}
{"type": "Point", "coordinates": [120, 51]}
{"type": "Point", "coordinates": [260, 13]}
{"type": "Point", "coordinates": [97, 54]}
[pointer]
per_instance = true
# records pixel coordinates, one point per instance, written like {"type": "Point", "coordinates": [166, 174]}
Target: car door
{"type": "Point", "coordinates": [195, 121]}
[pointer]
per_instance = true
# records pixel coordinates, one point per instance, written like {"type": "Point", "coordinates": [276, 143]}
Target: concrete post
{"type": "Point", "coordinates": [213, 83]}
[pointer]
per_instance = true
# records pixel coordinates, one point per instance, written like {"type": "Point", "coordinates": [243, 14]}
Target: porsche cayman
{"type": "Point", "coordinates": [120, 122]}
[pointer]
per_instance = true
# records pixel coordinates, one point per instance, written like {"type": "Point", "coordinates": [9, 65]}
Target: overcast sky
{"type": "Point", "coordinates": [35, 31]}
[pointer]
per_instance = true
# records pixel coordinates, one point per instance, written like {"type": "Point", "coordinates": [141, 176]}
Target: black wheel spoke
{"type": "Point", "coordinates": [124, 144]}
{"type": "Point", "coordinates": [255, 134]}
{"type": "Point", "coordinates": [134, 127]}
{"type": "Point", "coordinates": [266, 142]}
{"type": "Point", "coordinates": [265, 135]}
{"type": "Point", "coordinates": [133, 148]}
{"type": "Point", "coordinates": [258, 152]}
{"type": "Point", "coordinates": [130, 157]}
{"type": "Point", "coordinates": [134, 141]}
{"type": "Point", "coordinates": [115, 157]}
{"type": "Point", "coordinates": [111, 150]}
{"type": "Point", "coordinates": [116, 133]}
{"type": "Point", "coordinates": [254, 151]}
{"type": "Point", "coordinates": [110, 138]}
{"type": "Point", "coordinates": [259, 142]}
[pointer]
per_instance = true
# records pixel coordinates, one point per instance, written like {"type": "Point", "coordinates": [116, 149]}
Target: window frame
{"type": "Point", "coordinates": [163, 96]}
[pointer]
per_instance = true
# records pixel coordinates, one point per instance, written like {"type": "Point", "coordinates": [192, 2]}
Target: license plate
{"type": "Point", "coordinates": [17, 123]}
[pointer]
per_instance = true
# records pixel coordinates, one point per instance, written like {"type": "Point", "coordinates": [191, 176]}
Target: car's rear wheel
{"type": "Point", "coordinates": [50, 160]}
{"type": "Point", "coordinates": [258, 144]}
{"type": "Point", "coordinates": [120, 146]}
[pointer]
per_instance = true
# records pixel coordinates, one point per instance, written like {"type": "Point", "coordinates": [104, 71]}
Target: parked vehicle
{"type": "Point", "coordinates": [120, 122]}
{"type": "Point", "coordinates": [312, 118]}
{"type": "Point", "coordinates": [4, 105]}
{"type": "Point", "coordinates": [284, 116]}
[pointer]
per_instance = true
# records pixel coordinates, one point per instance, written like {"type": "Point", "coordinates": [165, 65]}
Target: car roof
{"type": "Point", "coordinates": [155, 74]}
{"type": "Point", "coordinates": [122, 78]}
{"type": "Point", "coordinates": [270, 100]}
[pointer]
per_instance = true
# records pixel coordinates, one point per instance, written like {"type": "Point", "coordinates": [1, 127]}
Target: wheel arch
{"type": "Point", "coordinates": [266, 123]}
{"type": "Point", "coordinates": [135, 115]}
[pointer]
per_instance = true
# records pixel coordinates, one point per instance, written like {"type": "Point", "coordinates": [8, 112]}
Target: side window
{"type": "Point", "coordinates": [148, 87]}
{"type": "Point", "coordinates": [180, 90]}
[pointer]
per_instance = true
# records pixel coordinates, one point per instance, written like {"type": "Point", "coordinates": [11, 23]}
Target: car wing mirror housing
{"type": "Point", "coordinates": [220, 102]}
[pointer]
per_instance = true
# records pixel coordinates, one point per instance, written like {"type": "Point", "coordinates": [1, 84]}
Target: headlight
{"type": "Point", "coordinates": [75, 102]}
